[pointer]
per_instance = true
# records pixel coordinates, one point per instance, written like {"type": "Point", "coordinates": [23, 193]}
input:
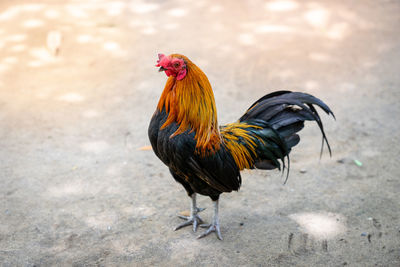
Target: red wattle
{"type": "Point", "coordinates": [181, 74]}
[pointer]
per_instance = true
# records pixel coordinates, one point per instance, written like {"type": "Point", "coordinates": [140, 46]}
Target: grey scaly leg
{"type": "Point", "coordinates": [194, 218]}
{"type": "Point", "coordinates": [214, 226]}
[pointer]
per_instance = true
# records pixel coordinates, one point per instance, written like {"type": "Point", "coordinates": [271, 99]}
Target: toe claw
{"type": "Point", "coordinates": [192, 220]}
{"type": "Point", "coordinates": [183, 225]}
{"type": "Point", "coordinates": [212, 228]}
{"type": "Point", "coordinates": [201, 236]}
{"type": "Point", "coordinates": [218, 233]}
{"type": "Point", "coordinates": [209, 230]}
{"type": "Point", "coordinates": [195, 224]}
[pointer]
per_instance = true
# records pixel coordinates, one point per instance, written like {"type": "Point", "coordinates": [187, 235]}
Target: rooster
{"type": "Point", "coordinates": [206, 158]}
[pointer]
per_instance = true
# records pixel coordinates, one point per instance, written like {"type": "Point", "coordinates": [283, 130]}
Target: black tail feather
{"type": "Point", "coordinates": [288, 169]}
{"type": "Point", "coordinates": [288, 130]}
{"type": "Point", "coordinates": [321, 127]}
{"type": "Point", "coordinates": [269, 105]}
{"type": "Point", "coordinates": [285, 113]}
{"type": "Point", "coordinates": [292, 140]}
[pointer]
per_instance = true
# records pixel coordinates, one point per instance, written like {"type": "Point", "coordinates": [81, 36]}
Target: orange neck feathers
{"type": "Point", "coordinates": [190, 103]}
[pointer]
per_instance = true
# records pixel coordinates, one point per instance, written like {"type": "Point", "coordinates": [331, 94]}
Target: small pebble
{"type": "Point", "coordinates": [241, 224]}
{"type": "Point", "coordinates": [363, 234]}
{"type": "Point", "coordinates": [303, 170]}
{"type": "Point", "coordinates": [109, 228]}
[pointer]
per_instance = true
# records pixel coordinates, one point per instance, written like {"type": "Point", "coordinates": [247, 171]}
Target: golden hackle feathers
{"type": "Point", "coordinates": [190, 103]}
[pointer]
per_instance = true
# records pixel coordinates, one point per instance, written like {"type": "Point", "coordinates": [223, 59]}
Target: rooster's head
{"type": "Point", "coordinates": [172, 65]}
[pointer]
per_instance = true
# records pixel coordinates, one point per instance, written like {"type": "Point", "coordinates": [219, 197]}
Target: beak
{"type": "Point", "coordinates": [161, 69]}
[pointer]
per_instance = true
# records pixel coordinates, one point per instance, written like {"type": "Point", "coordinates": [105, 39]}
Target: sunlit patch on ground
{"type": "Point", "coordinates": [10, 60]}
{"type": "Point", "coordinates": [246, 39]}
{"type": "Point", "coordinates": [216, 9]}
{"type": "Point", "coordinates": [114, 48]}
{"type": "Point", "coordinates": [32, 23]}
{"type": "Point", "coordinates": [149, 30]}
{"type": "Point", "coordinates": [177, 12]}
{"type": "Point", "coordinates": [42, 54]}
{"type": "Point", "coordinates": [16, 37]}
{"type": "Point", "coordinates": [171, 26]}
{"type": "Point", "coordinates": [90, 113]}
{"type": "Point", "coordinates": [115, 8]}
{"type": "Point", "coordinates": [9, 13]}
{"type": "Point", "coordinates": [4, 67]}
{"type": "Point", "coordinates": [143, 8]}
{"type": "Point", "coordinates": [71, 97]}
{"type": "Point", "coordinates": [77, 11]}
{"type": "Point", "coordinates": [35, 64]}
{"type": "Point", "coordinates": [18, 48]}
{"type": "Point", "coordinates": [281, 5]}
{"type": "Point", "coordinates": [317, 18]}
{"type": "Point", "coordinates": [320, 225]}
{"type": "Point", "coordinates": [32, 7]}
{"type": "Point", "coordinates": [84, 38]}
{"type": "Point", "coordinates": [51, 14]}
{"type": "Point", "coordinates": [338, 31]}
{"type": "Point", "coordinates": [111, 46]}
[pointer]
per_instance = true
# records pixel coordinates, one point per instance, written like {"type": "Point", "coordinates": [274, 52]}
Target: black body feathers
{"type": "Point", "coordinates": [264, 135]}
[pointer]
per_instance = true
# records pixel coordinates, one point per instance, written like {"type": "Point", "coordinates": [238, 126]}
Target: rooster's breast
{"type": "Point", "coordinates": [174, 151]}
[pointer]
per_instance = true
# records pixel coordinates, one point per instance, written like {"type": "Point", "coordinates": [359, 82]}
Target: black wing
{"type": "Point", "coordinates": [218, 170]}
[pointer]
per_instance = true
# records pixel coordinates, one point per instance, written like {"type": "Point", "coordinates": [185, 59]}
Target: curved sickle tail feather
{"type": "Point", "coordinates": [272, 122]}
{"type": "Point", "coordinates": [273, 108]}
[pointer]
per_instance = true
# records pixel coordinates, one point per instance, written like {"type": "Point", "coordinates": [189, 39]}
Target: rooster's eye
{"type": "Point", "coordinates": [176, 64]}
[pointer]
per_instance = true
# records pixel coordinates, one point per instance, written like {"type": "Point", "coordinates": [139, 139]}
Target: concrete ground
{"type": "Point", "coordinates": [78, 87]}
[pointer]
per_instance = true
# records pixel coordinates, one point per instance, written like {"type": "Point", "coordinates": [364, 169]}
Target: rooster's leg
{"type": "Point", "coordinates": [194, 218]}
{"type": "Point", "coordinates": [214, 226]}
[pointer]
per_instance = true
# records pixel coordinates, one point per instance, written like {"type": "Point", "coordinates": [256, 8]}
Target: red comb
{"type": "Point", "coordinates": [160, 57]}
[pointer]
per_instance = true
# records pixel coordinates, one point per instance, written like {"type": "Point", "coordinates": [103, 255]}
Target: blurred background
{"type": "Point", "coordinates": [78, 87]}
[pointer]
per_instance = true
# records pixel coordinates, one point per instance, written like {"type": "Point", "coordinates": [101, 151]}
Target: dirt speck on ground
{"type": "Point", "coordinates": [78, 87]}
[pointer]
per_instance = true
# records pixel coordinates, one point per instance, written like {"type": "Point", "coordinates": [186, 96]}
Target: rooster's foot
{"type": "Point", "coordinates": [214, 227]}
{"type": "Point", "coordinates": [193, 219]}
